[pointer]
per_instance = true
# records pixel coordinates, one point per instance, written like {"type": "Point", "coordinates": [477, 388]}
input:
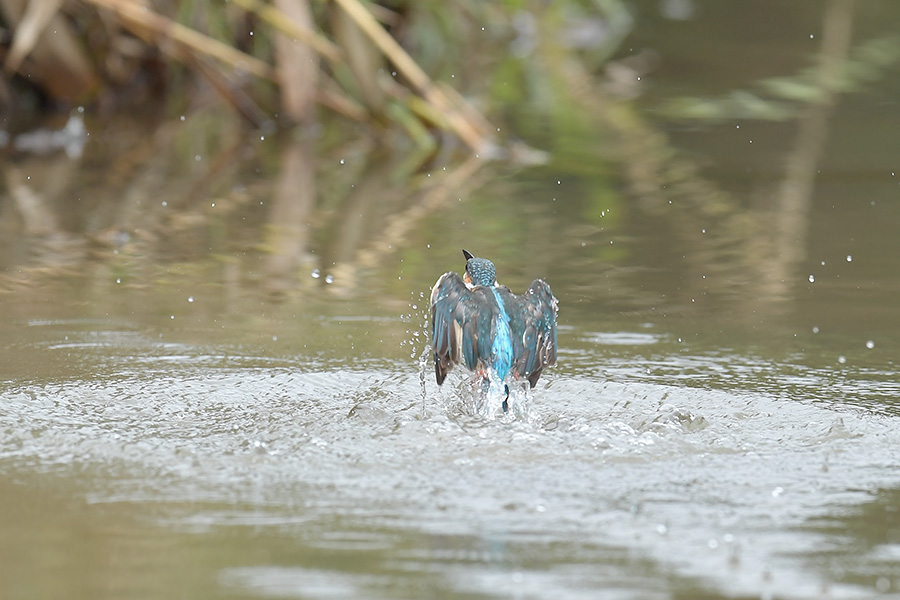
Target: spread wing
{"type": "Point", "coordinates": [455, 323]}
{"type": "Point", "coordinates": [534, 331]}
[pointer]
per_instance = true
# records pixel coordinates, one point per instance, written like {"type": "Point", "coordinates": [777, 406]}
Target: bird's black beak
{"type": "Point", "coordinates": [468, 254]}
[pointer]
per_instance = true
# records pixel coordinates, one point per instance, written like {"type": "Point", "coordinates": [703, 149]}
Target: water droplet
{"type": "Point", "coordinates": [342, 161]}
{"type": "Point", "coordinates": [870, 344]}
{"type": "Point", "coordinates": [182, 117]}
{"type": "Point", "coordinates": [777, 492]}
{"type": "Point", "coordinates": [849, 258]}
{"type": "Point", "coordinates": [842, 359]}
{"type": "Point", "coordinates": [172, 317]}
{"type": "Point", "coordinates": [274, 338]}
{"type": "Point", "coordinates": [812, 278]}
{"type": "Point", "coordinates": [815, 329]}
{"type": "Point", "coordinates": [329, 278]}
{"type": "Point", "coordinates": [197, 157]}
{"type": "Point", "coordinates": [415, 307]}
{"type": "Point", "coordinates": [118, 280]}
{"type": "Point", "coordinates": [164, 203]}
{"type": "Point", "coordinates": [315, 273]}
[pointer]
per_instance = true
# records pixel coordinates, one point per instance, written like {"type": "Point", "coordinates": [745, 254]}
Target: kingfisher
{"type": "Point", "coordinates": [481, 324]}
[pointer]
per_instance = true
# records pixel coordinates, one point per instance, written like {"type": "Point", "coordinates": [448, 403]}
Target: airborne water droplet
{"type": "Point", "coordinates": [315, 273]}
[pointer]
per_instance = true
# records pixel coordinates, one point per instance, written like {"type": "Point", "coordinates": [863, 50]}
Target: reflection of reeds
{"type": "Point", "coordinates": [294, 66]}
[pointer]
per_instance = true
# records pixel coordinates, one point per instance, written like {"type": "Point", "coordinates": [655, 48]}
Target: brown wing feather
{"type": "Point", "coordinates": [455, 322]}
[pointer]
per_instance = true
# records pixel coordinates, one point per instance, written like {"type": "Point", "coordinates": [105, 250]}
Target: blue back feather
{"type": "Point", "coordinates": [488, 327]}
{"type": "Point", "coordinates": [501, 348]}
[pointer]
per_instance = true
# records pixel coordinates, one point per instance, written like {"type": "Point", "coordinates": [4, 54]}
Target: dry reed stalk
{"type": "Point", "coordinates": [56, 57]}
{"type": "Point", "coordinates": [471, 132]}
{"type": "Point", "coordinates": [289, 26]}
{"type": "Point", "coordinates": [36, 17]}
{"type": "Point", "coordinates": [146, 23]}
{"type": "Point", "coordinates": [342, 105]}
{"type": "Point", "coordinates": [297, 64]}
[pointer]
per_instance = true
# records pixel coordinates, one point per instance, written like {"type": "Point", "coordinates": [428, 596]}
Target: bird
{"type": "Point", "coordinates": [482, 325]}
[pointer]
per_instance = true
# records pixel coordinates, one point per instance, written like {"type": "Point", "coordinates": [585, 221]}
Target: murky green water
{"type": "Point", "coordinates": [211, 388]}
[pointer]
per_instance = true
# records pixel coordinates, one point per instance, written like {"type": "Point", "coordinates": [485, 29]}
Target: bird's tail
{"type": "Point", "coordinates": [486, 389]}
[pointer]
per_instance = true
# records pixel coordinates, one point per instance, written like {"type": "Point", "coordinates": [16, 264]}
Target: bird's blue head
{"type": "Point", "coordinates": [479, 271]}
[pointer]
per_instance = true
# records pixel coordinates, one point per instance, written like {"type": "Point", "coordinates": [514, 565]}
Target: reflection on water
{"type": "Point", "coordinates": [209, 376]}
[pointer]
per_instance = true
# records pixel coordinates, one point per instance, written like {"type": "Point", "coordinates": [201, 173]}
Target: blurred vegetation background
{"type": "Point", "coordinates": [400, 65]}
{"type": "Point", "coordinates": [351, 122]}
{"type": "Point", "coordinates": [252, 143]}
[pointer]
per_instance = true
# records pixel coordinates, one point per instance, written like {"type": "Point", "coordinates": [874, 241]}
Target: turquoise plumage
{"type": "Point", "coordinates": [483, 326]}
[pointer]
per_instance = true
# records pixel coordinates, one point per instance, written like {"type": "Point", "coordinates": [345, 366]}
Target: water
{"type": "Point", "coordinates": [654, 472]}
{"type": "Point", "coordinates": [237, 401]}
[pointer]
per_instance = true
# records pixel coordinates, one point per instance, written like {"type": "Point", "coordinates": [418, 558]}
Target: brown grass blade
{"type": "Point", "coordinates": [148, 24]}
{"type": "Point", "coordinates": [46, 50]}
{"type": "Point", "coordinates": [37, 14]}
{"type": "Point", "coordinates": [469, 131]}
{"type": "Point", "coordinates": [290, 27]}
{"type": "Point", "coordinates": [297, 65]}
